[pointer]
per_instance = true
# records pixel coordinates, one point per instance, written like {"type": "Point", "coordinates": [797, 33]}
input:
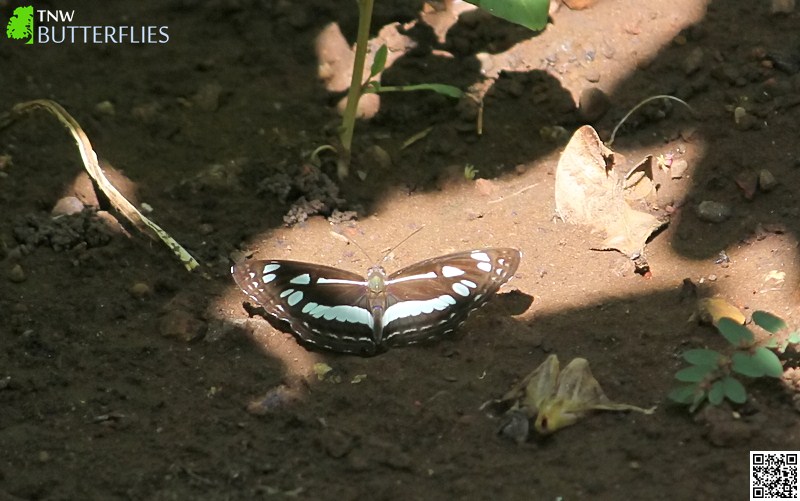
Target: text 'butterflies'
{"type": "Point", "coordinates": [342, 311]}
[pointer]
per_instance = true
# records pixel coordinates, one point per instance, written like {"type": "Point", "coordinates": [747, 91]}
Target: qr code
{"type": "Point", "coordinates": [773, 475]}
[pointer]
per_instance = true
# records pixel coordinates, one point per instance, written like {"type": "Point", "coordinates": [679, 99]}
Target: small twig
{"type": "Point", "coordinates": [639, 105]}
{"type": "Point", "coordinates": [520, 192]}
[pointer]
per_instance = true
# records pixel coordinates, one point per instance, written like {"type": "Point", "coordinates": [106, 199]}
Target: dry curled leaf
{"type": "Point", "coordinates": [589, 191]}
{"type": "Point", "coordinates": [711, 309]}
{"type": "Point", "coordinates": [559, 399]}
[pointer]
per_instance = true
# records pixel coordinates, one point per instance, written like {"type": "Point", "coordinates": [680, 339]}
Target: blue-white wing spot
{"type": "Point", "coordinates": [480, 256]}
{"type": "Point", "coordinates": [460, 289]}
{"type": "Point", "coordinates": [286, 292]}
{"type": "Point", "coordinates": [484, 266]}
{"type": "Point", "coordinates": [451, 271]}
{"type": "Point", "coordinates": [269, 277]}
{"type": "Point", "coordinates": [294, 298]}
{"type": "Point", "coordinates": [303, 279]}
{"type": "Point", "coordinates": [405, 309]}
{"type": "Point", "coordinates": [269, 268]}
{"type": "Point", "coordinates": [342, 313]}
{"type": "Point", "coordinates": [469, 283]}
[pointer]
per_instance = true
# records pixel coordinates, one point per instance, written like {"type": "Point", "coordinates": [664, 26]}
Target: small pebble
{"type": "Point", "coordinates": [782, 6]}
{"type": "Point", "coordinates": [67, 206]}
{"type": "Point", "coordinates": [140, 290]}
{"type": "Point", "coordinates": [713, 212]}
{"type": "Point", "coordinates": [105, 108]}
{"type": "Point", "coordinates": [207, 97]}
{"type": "Point", "coordinates": [181, 325]}
{"type": "Point", "coordinates": [766, 181]}
{"type": "Point", "coordinates": [16, 274]}
{"type": "Point", "coordinates": [515, 426]}
{"type": "Point", "coordinates": [593, 104]}
{"type": "Point", "coordinates": [592, 76]}
{"type": "Point", "coordinates": [678, 168]}
{"type": "Point", "coordinates": [694, 61]}
{"type": "Point", "coordinates": [485, 187]}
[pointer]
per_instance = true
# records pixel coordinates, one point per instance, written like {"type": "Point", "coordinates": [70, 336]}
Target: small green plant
{"type": "Point", "coordinates": [529, 13]}
{"type": "Point", "coordinates": [470, 172]}
{"type": "Point", "coordinates": [711, 375]}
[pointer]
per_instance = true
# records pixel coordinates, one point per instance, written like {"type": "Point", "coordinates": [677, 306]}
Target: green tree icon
{"type": "Point", "coordinates": [20, 26]}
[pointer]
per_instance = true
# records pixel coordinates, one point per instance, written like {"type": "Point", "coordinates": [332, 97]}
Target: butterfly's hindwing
{"type": "Point", "coordinates": [324, 306]}
{"type": "Point", "coordinates": [433, 297]}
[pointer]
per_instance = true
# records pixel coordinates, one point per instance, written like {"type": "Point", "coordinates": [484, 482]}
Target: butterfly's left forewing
{"type": "Point", "coordinates": [433, 297]}
{"type": "Point", "coordinates": [324, 306]}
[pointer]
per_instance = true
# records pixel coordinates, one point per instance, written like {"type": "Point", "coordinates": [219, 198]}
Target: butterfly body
{"type": "Point", "coordinates": [345, 312]}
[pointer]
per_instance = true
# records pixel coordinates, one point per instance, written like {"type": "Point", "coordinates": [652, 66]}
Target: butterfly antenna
{"type": "Point", "coordinates": [402, 242]}
{"type": "Point", "coordinates": [350, 240]}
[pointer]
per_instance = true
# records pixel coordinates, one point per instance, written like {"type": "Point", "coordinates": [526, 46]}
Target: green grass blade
{"type": "Point", "coordinates": [444, 89]}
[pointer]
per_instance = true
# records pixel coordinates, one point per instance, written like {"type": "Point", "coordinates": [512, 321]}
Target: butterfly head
{"type": "Point", "coordinates": [376, 279]}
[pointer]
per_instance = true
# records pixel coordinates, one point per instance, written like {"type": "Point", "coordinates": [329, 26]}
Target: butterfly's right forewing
{"type": "Point", "coordinates": [324, 306]}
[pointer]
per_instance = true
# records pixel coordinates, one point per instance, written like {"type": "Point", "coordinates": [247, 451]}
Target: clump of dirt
{"type": "Point", "coordinates": [85, 229]}
{"type": "Point", "coordinates": [313, 192]}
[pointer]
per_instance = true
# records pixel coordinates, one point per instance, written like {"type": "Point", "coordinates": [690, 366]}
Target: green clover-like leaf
{"type": "Point", "coordinates": [734, 390]}
{"type": "Point", "coordinates": [769, 362]}
{"type": "Point", "coordinates": [717, 392]}
{"type": "Point", "coordinates": [683, 394]}
{"type": "Point", "coordinates": [744, 364]}
{"type": "Point", "coordinates": [762, 362]}
{"type": "Point", "coordinates": [768, 321]}
{"type": "Point", "coordinates": [702, 356]}
{"type": "Point", "coordinates": [694, 373]}
{"type": "Point", "coordinates": [736, 333]}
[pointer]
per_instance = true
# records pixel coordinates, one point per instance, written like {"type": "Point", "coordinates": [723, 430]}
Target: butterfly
{"type": "Point", "coordinates": [344, 312]}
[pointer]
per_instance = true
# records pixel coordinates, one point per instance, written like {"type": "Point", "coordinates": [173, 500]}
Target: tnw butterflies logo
{"type": "Point", "coordinates": [20, 25]}
{"type": "Point", "coordinates": [44, 26]}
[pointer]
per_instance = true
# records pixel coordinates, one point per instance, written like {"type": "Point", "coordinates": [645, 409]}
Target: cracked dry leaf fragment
{"type": "Point", "coordinates": [590, 192]}
{"type": "Point", "coordinates": [559, 399]}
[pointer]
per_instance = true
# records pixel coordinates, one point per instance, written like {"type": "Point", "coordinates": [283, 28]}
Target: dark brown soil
{"type": "Point", "coordinates": [123, 376]}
